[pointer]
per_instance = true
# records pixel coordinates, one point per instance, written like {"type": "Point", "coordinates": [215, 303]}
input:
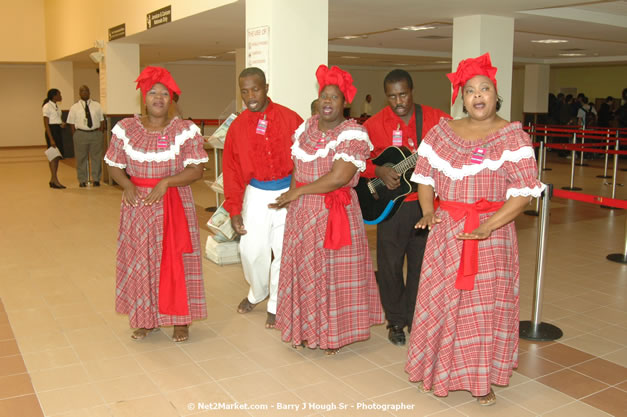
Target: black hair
{"type": "Point", "coordinates": [396, 76]}
{"type": "Point", "coordinates": [584, 99]}
{"type": "Point", "coordinates": [250, 71]}
{"type": "Point", "coordinates": [51, 93]}
{"type": "Point", "coordinates": [499, 103]}
{"type": "Point", "coordinates": [609, 98]}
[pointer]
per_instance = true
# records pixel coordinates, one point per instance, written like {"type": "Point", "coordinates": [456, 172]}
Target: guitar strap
{"type": "Point", "coordinates": [418, 116]}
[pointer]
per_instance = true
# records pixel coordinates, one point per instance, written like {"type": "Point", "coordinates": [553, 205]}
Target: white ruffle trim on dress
{"type": "Point", "coordinates": [421, 179]}
{"type": "Point", "coordinates": [192, 161]}
{"type": "Point", "coordinates": [525, 192]}
{"type": "Point", "coordinates": [168, 155]}
{"type": "Point", "coordinates": [361, 165]}
{"type": "Point", "coordinates": [425, 150]}
{"type": "Point", "coordinates": [300, 154]}
{"type": "Point", "coordinates": [114, 164]}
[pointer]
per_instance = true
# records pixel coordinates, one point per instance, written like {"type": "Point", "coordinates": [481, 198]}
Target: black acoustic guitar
{"type": "Point", "coordinates": [377, 202]}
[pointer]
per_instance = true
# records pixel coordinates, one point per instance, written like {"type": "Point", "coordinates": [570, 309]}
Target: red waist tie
{"type": "Point", "coordinates": [338, 233]}
{"type": "Point", "coordinates": [176, 242]}
{"type": "Point", "coordinates": [470, 249]}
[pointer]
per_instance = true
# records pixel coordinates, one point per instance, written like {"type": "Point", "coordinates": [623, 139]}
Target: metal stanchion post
{"type": "Point", "coordinates": [544, 168]}
{"type": "Point", "coordinates": [573, 156]}
{"type": "Point", "coordinates": [607, 156]}
{"type": "Point", "coordinates": [614, 173]}
{"type": "Point", "coordinates": [583, 141]}
{"type": "Point", "coordinates": [536, 329]}
{"type": "Point", "coordinates": [620, 257]}
{"type": "Point", "coordinates": [540, 161]}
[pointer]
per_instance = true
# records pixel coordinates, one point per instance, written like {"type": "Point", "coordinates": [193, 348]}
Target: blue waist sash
{"type": "Point", "coordinates": [273, 185]}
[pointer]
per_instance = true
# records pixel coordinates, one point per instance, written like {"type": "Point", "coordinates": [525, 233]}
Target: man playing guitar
{"type": "Point", "coordinates": [395, 125]}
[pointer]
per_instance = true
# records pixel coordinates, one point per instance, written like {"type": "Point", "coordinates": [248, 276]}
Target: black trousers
{"type": "Point", "coordinates": [396, 240]}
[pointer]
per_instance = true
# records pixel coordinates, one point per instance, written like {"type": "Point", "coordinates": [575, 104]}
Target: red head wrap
{"type": "Point", "coordinates": [469, 68]}
{"type": "Point", "coordinates": [336, 76]}
{"type": "Point", "coordinates": [153, 75]}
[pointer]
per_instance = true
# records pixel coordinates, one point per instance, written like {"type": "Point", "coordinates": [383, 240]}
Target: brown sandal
{"type": "Point", "coordinates": [331, 352]}
{"type": "Point", "coordinates": [245, 306]}
{"type": "Point", "coordinates": [180, 333]}
{"type": "Point", "coordinates": [141, 333]}
{"type": "Point", "coordinates": [489, 399]}
{"type": "Point", "coordinates": [422, 389]}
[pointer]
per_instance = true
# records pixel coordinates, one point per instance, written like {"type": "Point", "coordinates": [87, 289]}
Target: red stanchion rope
{"type": "Point", "coordinates": [589, 198]}
{"type": "Point", "coordinates": [586, 149]}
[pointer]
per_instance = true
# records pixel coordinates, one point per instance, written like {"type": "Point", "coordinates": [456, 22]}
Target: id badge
{"type": "Point", "coordinates": [261, 127]}
{"type": "Point", "coordinates": [397, 137]}
{"type": "Point", "coordinates": [162, 142]}
{"type": "Point", "coordinates": [478, 155]}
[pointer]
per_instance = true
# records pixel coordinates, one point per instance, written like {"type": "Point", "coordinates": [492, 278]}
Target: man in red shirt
{"type": "Point", "coordinates": [397, 238]}
{"type": "Point", "coordinates": [257, 168]}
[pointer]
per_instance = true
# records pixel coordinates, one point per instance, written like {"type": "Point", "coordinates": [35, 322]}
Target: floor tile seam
{"type": "Point", "coordinates": [549, 387]}
{"type": "Point", "coordinates": [234, 399]}
{"type": "Point", "coordinates": [572, 368]}
{"type": "Point", "coordinates": [11, 397]}
{"type": "Point", "coordinates": [575, 402]}
{"type": "Point", "coordinates": [604, 354]}
{"type": "Point", "coordinates": [606, 385]}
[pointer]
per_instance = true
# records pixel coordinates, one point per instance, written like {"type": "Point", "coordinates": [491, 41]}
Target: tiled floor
{"type": "Point", "coordinates": [76, 358]}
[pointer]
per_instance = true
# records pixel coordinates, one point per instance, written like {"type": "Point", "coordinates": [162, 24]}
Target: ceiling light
{"type": "Point", "coordinates": [349, 37]}
{"type": "Point", "coordinates": [572, 54]}
{"type": "Point", "coordinates": [401, 64]}
{"type": "Point", "coordinates": [231, 52]}
{"type": "Point", "coordinates": [442, 62]}
{"type": "Point", "coordinates": [416, 28]}
{"type": "Point", "coordinates": [549, 41]}
{"type": "Point", "coordinates": [349, 57]}
{"type": "Point", "coordinates": [207, 57]}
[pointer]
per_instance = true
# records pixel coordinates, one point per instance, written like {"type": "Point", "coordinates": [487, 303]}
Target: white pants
{"type": "Point", "coordinates": [264, 237]}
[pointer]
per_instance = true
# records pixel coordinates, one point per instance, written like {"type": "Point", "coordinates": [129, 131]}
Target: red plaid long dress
{"type": "Point", "coordinates": [328, 298]}
{"type": "Point", "coordinates": [141, 228]}
{"type": "Point", "coordinates": [467, 340]}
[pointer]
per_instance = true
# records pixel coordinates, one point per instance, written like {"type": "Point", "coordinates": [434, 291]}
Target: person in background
{"type": "Point", "coordinates": [366, 107]}
{"type": "Point", "coordinates": [257, 168]}
{"type": "Point", "coordinates": [159, 266]}
{"type": "Point", "coordinates": [54, 136]}
{"type": "Point", "coordinates": [314, 107]}
{"type": "Point", "coordinates": [88, 125]}
{"type": "Point", "coordinates": [328, 295]}
{"type": "Point", "coordinates": [465, 329]}
{"type": "Point", "coordinates": [606, 112]}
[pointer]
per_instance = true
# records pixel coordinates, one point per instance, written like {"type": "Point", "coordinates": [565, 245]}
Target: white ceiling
{"type": "Point", "coordinates": [597, 29]}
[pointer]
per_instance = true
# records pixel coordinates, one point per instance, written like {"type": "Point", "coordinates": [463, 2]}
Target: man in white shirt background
{"type": "Point", "coordinates": [87, 123]}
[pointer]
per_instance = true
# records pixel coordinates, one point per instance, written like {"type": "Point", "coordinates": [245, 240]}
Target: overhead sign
{"type": "Point", "coordinates": [159, 17]}
{"type": "Point", "coordinates": [117, 32]}
{"type": "Point", "coordinates": [258, 48]}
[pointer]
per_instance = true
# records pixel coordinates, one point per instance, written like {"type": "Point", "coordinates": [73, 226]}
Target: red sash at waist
{"type": "Point", "coordinates": [176, 242]}
{"type": "Point", "coordinates": [470, 250]}
{"type": "Point", "coordinates": [338, 233]}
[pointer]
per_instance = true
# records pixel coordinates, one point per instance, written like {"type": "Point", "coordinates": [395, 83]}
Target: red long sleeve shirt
{"type": "Point", "coordinates": [380, 128]}
{"type": "Point", "coordinates": [248, 154]}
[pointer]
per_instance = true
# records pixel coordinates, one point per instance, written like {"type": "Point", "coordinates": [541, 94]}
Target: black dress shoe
{"type": "Point", "coordinates": [396, 335]}
{"type": "Point", "coordinates": [58, 187]}
{"type": "Point", "coordinates": [82, 185]}
{"type": "Point", "coordinates": [96, 183]}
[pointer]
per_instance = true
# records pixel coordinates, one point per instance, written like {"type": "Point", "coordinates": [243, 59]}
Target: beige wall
{"type": "Point", "coordinates": [594, 82]}
{"type": "Point", "coordinates": [92, 19]}
{"type": "Point", "coordinates": [206, 89]}
{"type": "Point", "coordinates": [88, 77]}
{"type": "Point", "coordinates": [22, 32]}
{"type": "Point", "coordinates": [24, 89]}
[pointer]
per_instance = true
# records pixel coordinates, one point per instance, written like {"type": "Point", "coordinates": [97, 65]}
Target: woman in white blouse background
{"type": "Point", "coordinates": [53, 125]}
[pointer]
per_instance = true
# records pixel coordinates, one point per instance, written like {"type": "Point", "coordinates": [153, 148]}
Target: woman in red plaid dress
{"type": "Point", "coordinates": [159, 271]}
{"type": "Point", "coordinates": [465, 328]}
{"type": "Point", "coordinates": [328, 296]}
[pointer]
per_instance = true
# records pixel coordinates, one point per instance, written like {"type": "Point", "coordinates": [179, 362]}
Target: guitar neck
{"type": "Point", "coordinates": [406, 164]}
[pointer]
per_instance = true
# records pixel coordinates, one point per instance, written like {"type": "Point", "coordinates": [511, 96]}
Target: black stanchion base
{"type": "Point", "coordinates": [617, 257]}
{"type": "Point", "coordinates": [531, 213]}
{"type": "Point", "coordinates": [544, 331]}
{"type": "Point", "coordinates": [572, 189]}
{"type": "Point", "coordinates": [604, 176]}
{"type": "Point", "coordinates": [547, 169]}
{"type": "Point", "coordinates": [211, 209]}
{"type": "Point", "coordinates": [610, 207]}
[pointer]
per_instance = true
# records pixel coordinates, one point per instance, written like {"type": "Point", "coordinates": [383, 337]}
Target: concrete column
{"type": "Point", "coordinates": [536, 97]}
{"type": "Point", "coordinates": [60, 75]}
{"type": "Point", "coordinates": [240, 64]}
{"type": "Point", "coordinates": [298, 44]}
{"type": "Point", "coordinates": [478, 34]}
{"type": "Point", "coordinates": [118, 71]}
